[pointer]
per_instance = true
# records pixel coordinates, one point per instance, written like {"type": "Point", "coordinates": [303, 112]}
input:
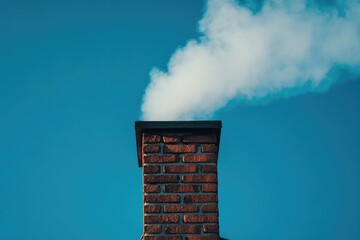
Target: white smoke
{"type": "Point", "coordinates": [285, 46]}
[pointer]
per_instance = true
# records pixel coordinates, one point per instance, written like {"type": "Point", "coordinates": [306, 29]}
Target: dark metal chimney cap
{"type": "Point", "coordinates": [153, 126]}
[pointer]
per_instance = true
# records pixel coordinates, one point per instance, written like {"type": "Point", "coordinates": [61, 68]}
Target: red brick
{"type": "Point", "coordinates": [151, 148]}
{"type": "Point", "coordinates": [152, 209]}
{"type": "Point", "coordinates": [200, 139]}
{"type": "Point", "coordinates": [152, 229]}
{"type": "Point", "coordinates": [171, 139]}
{"type": "Point", "coordinates": [161, 219]}
{"type": "Point", "coordinates": [180, 188]}
{"type": "Point", "coordinates": [199, 178]}
{"type": "Point", "coordinates": [180, 208]}
{"type": "Point", "coordinates": [213, 228]}
{"type": "Point", "coordinates": [209, 208]}
{"type": "Point", "coordinates": [151, 188]}
{"type": "Point", "coordinates": [202, 238]}
{"type": "Point", "coordinates": [183, 229]}
{"type": "Point", "coordinates": [200, 198]}
{"type": "Point", "coordinates": [149, 138]}
{"type": "Point", "coordinates": [160, 159]}
{"type": "Point", "coordinates": [161, 238]}
{"type": "Point", "coordinates": [201, 218]}
{"type": "Point", "coordinates": [151, 169]}
{"type": "Point", "coordinates": [199, 158]}
{"type": "Point", "coordinates": [161, 179]}
{"type": "Point", "coordinates": [181, 169]}
{"type": "Point", "coordinates": [162, 198]}
{"type": "Point", "coordinates": [209, 188]}
{"type": "Point", "coordinates": [180, 148]}
{"type": "Point", "coordinates": [209, 148]}
{"type": "Point", "coordinates": [209, 168]}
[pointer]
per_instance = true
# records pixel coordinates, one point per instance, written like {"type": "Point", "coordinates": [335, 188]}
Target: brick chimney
{"type": "Point", "coordinates": [179, 163]}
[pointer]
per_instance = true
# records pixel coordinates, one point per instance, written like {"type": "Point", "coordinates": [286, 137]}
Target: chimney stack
{"type": "Point", "coordinates": [179, 163]}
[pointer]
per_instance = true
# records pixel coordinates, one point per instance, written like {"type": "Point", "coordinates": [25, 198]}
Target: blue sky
{"type": "Point", "coordinates": [72, 77]}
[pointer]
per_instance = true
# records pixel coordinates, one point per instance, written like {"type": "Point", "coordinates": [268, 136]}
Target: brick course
{"type": "Point", "coordinates": [209, 148]}
{"type": "Point", "coordinates": [160, 158]}
{"type": "Point", "coordinates": [183, 229]}
{"type": "Point", "coordinates": [179, 148]}
{"type": "Point", "coordinates": [181, 208]}
{"type": "Point", "coordinates": [181, 168]}
{"type": "Point", "coordinates": [199, 158]}
{"type": "Point", "coordinates": [151, 148]}
{"type": "Point", "coordinates": [153, 229]}
{"type": "Point", "coordinates": [208, 208]}
{"type": "Point", "coordinates": [152, 209]}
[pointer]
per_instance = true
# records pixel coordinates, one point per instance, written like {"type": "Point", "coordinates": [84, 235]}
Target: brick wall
{"type": "Point", "coordinates": [180, 185]}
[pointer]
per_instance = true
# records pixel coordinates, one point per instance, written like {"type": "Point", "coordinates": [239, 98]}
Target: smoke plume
{"type": "Point", "coordinates": [247, 53]}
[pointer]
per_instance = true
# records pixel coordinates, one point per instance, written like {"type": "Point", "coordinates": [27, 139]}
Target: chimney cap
{"type": "Point", "coordinates": [163, 126]}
